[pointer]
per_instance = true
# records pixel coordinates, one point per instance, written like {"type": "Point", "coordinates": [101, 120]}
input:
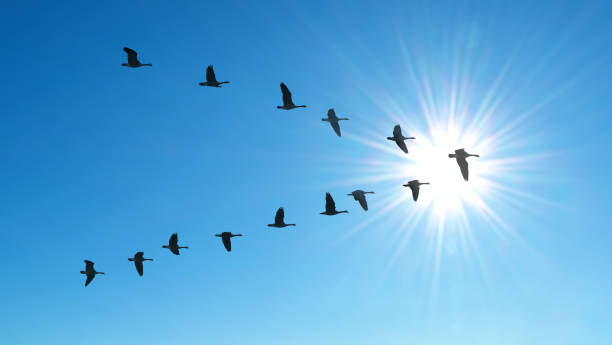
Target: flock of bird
{"type": "Point", "coordinates": [460, 156]}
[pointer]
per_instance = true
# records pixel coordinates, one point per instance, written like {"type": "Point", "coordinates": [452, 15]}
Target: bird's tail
{"type": "Point", "coordinates": [451, 155]}
{"type": "Point", "coordinates": [279, 107]}
{"type": "Point", "coordinates": [184, 247]}
{"type": "Point", "coordinates": [391, 138]}
{"type": "Point", "coordinates": [343, 118]}
{"type": "Point", "coordinates": [99, 272]}
{"type": "Point", "coordinates": [345, 211]}
{"type": "Point", "coordinates": [83, 272]}
{"type": "Point", "coordinates": [300, 106]}
{"type": "Point", "coordinates": [202, 84]}
{"type": "Point", "coordinates": [131, 259]}
{"type": "Point", "coordinates": [224, 82]}
{"type": "Point", "coordinates": [146, 64]}
{"type": "Point", "coordinates": [290, 224]}
{"type": "Point", "coordinates": [326, 120]}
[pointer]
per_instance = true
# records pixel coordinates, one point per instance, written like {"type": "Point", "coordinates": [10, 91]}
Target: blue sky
{"type": "Point", "coordinates": [100, 161]}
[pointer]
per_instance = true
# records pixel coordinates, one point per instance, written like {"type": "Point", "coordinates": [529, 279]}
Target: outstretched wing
{"type": "Point", "coordinates": [331, 114]}
{"type": "Point", "coordinates": [362, 201]}
{"type": "Point", "coordinates": [89, 265]}
{"type": "Point", "coordinates": [463, 165]}
{"type": "Point", "coordinates": [415, 191]}
{"type": "Point", "coordinates": [286, 95]}
{"type": "Point", "coordinates": [397, 131]}
{"type": "Point", "coordinates": [227, 243]}
{"type": "Point", "coordinates": [173, 242]}
{"type": "Point", "coordinates": [210, 75]}
{"type": "Point", "coordinates": [90, 277]}
{"type": "Point", "coordinates": [280, 216]}
{"type": "Point", "coordinates": [401, 144]}
{"type": "Point", "coordinates": [330, 205]}
{"type": "Point", "coordinates": [336, 126]}
{"type": "Point", "coordinates": [132, 56]}
{"type": "Point", "coordinates": [139, 267]}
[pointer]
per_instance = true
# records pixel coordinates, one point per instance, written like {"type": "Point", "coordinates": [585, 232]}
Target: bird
{"type": "Point", "coordinates": [287, 101]}
{"type": "Point", "coordinates": [460, 155]}
{"type": "Point", "coordinates": [359, 195]}
{"type": "Point", "coordinates": [415, 186]}
{"type": "Point", "coordinates": [132, 56]}
{"type": "Point", "coordinates": [279, 219]}
{"type": "Point", "coordinates": [211, 80]}
{"type": "Point", "coordinates": [330, 206]}
{"type": "Point", "coordinates": [173, 244]}
{"type": "Point", "coordinates": [399, 138]}
{"type": "Point", "coordinates": [90, 271]}
{"type": "Point", "coordinates": [333, 120]}
{"type": "Point", "coordinates": [138, 260]}
{"type": "Point", "coordinates": [226, 237]}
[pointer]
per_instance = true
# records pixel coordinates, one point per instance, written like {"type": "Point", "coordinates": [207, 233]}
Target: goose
{"type": "Point", "coordinates": [138, 260]}
{"type": "Point", "coordinates": [415, 186]}
{"type": "Point", "coordinates": [333, 120]}
{"type": "Point", "coordinates": [211, 80]}
{"type": "Point", "coordinates": [173, 244]}
{"type": "Point", "coordinates": [460, 155]}
{"type": "Point", "coordinates": [399, 138]}
{"type": "Point", "coordinates": [226, 237]}
{"type": "Point", "coordinates": [279, 219]}
{"type": "Point", "coordinates": [90, 272]}
{"type": "Point", "coordinates": [287, 101]}
{"type": "Point", "coordinates": [132, 56]}
{"type": "Point", "coordinates": [330, 206]}
{"type": "Point", "coordinates": [359, 195]}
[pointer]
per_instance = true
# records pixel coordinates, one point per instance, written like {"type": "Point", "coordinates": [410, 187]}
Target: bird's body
{"type": "Point", "coordinates": [415, 186]}
{"type": "Point", "coordinates": [399, 138]}
{"type": "Point", "coordinates": [279, 219]}
{"type": "Point", "coordinates": [133, 59]}
{"type": "Point", "coordinates": [226, 237]}
{"type": "Point", "coordinates": [333, 120]}
{"type": "Point", "coordinates": [173, 244]}
{"type": "Point", "coordinates": [460, 155]}
{"type": "Point", "coordinates": [138, 259]}
{"type": "Point", "coordinates": [90, 272]}
{"type": "Point", "coordinates": [359, 195]}
{"type": "Point", "coordinates": [211, 79]}
{"type": "Point", "coordinates": [287, 99]}
{"type": "Point", "coordinates": [330, 206]}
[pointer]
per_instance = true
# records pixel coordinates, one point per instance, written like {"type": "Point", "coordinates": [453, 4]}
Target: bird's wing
{"type": "Point", "coordinates": [415, 192]}
{"type": "Point", "coordinates": [397, 131]}
{"type": "Point", "coordinates": [362, 201]}
{"type": "Point", "coordinates": [132, 56]}
{"type": "Point", "coordinates": [330, 205]}
{"type": "Point", "coordinates": [463, 165]}
{"type": "Point", "coordinates": [280, 216]}
{"type": "Point", "coordinates": [210, 74]}
{"type": "Point", "coordinates": [286, 94]}
{"type": "Point", "coordinates": [174, 250]}
{"type": "Point", "coordinates": [336, 126]}
{"type": "Point", "coordinates": [173, 240]}
{"type": "Point", "coordinates": [89, 266]}
{"type": "Point", "coordinates": [227, 243]}
{"type": "Point", "coordinates": [331, 114]}
{"type": "Point", "coordinates": [90, 277]}
{"type": "Point", "coordinates": [139, 255]}
{"type": "Point", "coordinates": [138, 265]}
{"type": "Point", "coordinates": [401, 144]}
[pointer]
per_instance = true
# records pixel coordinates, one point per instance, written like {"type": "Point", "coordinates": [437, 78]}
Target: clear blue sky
{"type": "Point", "coordinates": [100, 161]}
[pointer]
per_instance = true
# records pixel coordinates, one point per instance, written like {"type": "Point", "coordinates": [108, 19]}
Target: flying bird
{"type": "Point", "coordinates": [287, 101]}
{"type": "Point", "coordinates": [173, 244]}
{"type": "Point", "coordinates": [330, 206]}
{"type": "Point", "coordinates": [460, 155]}
{"type": "Point", "coordinates": [90, 272]}
{"type": "Point", "coordinates": [399, 138]}
{"type": "Point", "coordinates": [138, 260]}
{"type": "Point", "coordinates": [211, 80]}
{"type": "Point", "coordinates": [333, 120]}
{"type": "Point", "coordinates": [415, 186]}
{"type": "Point", "coordinates": [132, 57]}
{"type": "Point", "coordinates": [279, 219]}
{"type": "Point", "coordinates": [226, 237]}
{"type": "Point", "coordinates": [359, 195]}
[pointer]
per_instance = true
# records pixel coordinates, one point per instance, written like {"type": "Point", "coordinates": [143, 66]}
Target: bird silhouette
{"type": "Point", "coordinates": [415, 186]}
{"type": "Point", "coordinates": [279, 219]}
{"type": "Point", "coordinates": [90, 272]}
{"type": "Point", "coordinates": [226, 237]}
{"type": "Point", "coordinates": [460, 155]}
{"type": "Point", "coordinates": [333, 120]}
{"type": "Point", "coordinates": [132, 57]}
{"type": "Point", "coordinates": [138, 260]}
{"type": "Point", "coordinates": [399, 138]}
{"type": "Point", "coordinates": [359, 195]}
{"type": "Point", "coordinates": [330, 206]}
{"type": "Point", "coordinates": [287, 101]}
{"type": "Point", "coordinates": [173, 244]}
{"type": "Point", "coordinates": [211, 80]}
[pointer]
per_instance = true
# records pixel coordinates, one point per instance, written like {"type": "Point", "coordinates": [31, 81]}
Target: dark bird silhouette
{"type": "Point", "coordinates": [226, 237]}
{"type": "Point", "coordinates": [133, 59]}
{"type": "Point", "coordinates": [279, 219]}
{"type": "Point", "coordinates": [460, 155]}
{"type": "Point", "coordinates": [173, 244]}
{"type": "Point", "coordinates": [287, 101]}
{"type": "Point", "coordinates": [359, 195]}
{"type": "Point", "coordinates": [399, 138]}
{"type": "Point", "coordinates": [138, 260]}
{"type": "Point", "coordinates": [415, 186]}
{"type": "Point", "coordinates": [211, 80]}
{"type": "Point", "coordinates": [330, 206]}
{"type": "Point", "coordinates": [90, 271]}
{"type": "Point", "coordinates": [333, 120]}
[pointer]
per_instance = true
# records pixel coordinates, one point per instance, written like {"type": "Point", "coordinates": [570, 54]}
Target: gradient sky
{"type": "Point", "coordinates": [100, 161]}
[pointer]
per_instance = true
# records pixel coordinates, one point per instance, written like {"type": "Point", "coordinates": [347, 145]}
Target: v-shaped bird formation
{"type": "Point", "coordinates": [359, 195]}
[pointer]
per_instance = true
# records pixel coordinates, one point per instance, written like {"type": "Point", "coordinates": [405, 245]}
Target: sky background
{"type": "Point", "coordinates": [100, 161]}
